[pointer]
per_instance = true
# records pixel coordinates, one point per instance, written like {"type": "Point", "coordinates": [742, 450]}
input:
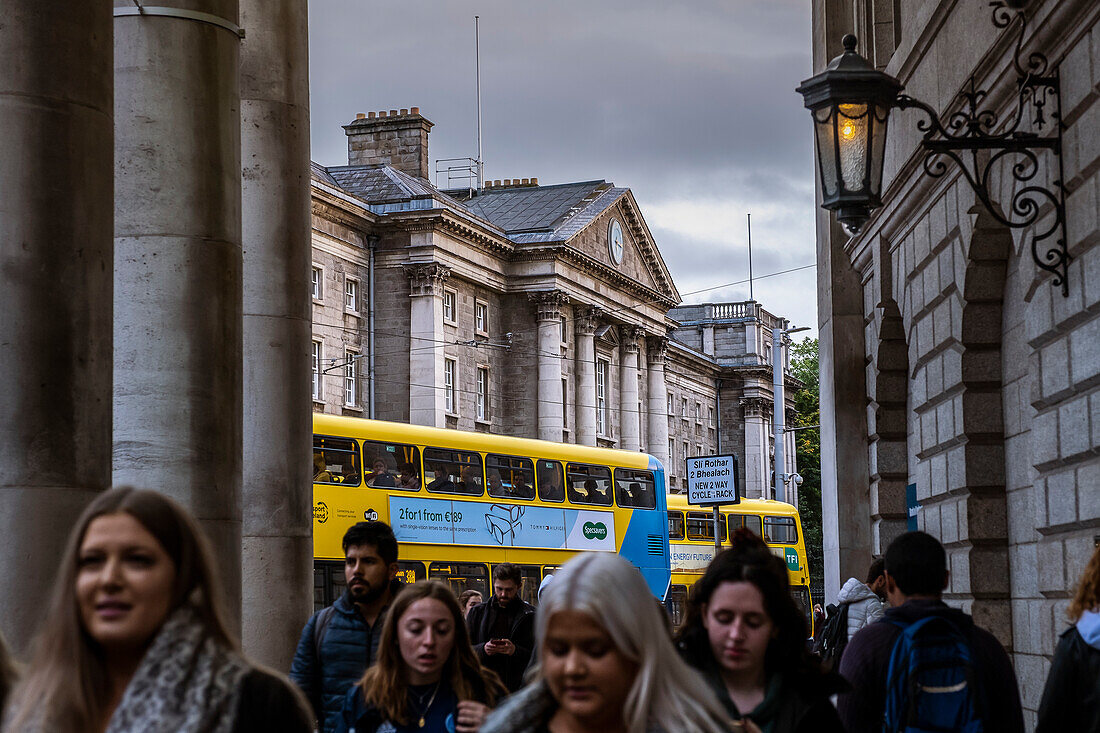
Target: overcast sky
{"type": "Point", "coordinates": [690, 105]}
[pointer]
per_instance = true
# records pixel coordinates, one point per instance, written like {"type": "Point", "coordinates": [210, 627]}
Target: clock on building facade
{"type": "Point", "coordinates": [615, 241]}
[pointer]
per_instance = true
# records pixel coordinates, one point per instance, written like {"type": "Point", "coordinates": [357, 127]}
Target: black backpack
{"type": "Point", "coordinates": [834, 638]}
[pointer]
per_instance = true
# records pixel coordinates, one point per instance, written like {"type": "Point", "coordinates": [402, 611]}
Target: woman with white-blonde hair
{"type": "Point", "coordinates": [606, 662]}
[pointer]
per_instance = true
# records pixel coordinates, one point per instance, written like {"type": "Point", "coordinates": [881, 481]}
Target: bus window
{"type": "Point", "coordinates": [700, 526]}
{"type": "Point", "coordinates": [589, 484]}
{"type": "Point", "coordinates": [676, 604]}
{"type": "Point", "coordinates": [635, 489]}
{"type": "Point", "coordinates": [328, 583]}
{"type": "Point", "coordinates": [453, 471]}
{"type": "Point", "coordinates": [550, 481]}
{"type": "Point", "coordinates": [335, 461]}
{"type": "Point", "coordinates": [509, 477]}
{"type": "Point", "coordinates": [752, 523]}
{"type": "Point", "coordinates": [529, 588]}
{"type": "Point", "coordinates": [462, 576]}
{"type": "Point", "coordinates": [550, 569]}
{"type": "Point", "coordinates": [410, 571]}
{"type": "Point", "coordinates": [391, 465]}
{"type": "Point", "coordinates": [676, 525]}
{"type": "Point", "coordinates": [780, 530]}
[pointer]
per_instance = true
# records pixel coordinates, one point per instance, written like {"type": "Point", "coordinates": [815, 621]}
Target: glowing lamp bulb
{"type": "Point", "coordinates": [848, 130]}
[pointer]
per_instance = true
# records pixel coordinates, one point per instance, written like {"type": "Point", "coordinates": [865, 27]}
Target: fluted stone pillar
{"type": "Point", "coordinates": [550, 409]}
{"type": "Point", "coordinates": [277, 541]}
{"type": "Point", "coordinates": [757, 459]}
{"type": "Point", "coordinates": [629, 416]}
{"type": "Point", "coordinates": [177, 350]}
{"type": "Point", "coordinates": [656, 351]}
{"type": "Point", "coordinates": [56, 266]}
{"type": "Point", "coordinates": [584, 330]}
{"type": "Point", "coordinates": [427, 398]}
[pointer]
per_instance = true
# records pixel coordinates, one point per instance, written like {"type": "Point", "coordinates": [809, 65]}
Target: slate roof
{"type": "Point", "coordinates": [538, 209]}
{"type": "Point", "coordinates": [380, 183]}
{"type": "Point", "coordinates": [319, 172]}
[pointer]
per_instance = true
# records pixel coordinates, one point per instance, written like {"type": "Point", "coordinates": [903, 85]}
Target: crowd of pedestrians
{"type": "Point", "coordinates": [134, 640]}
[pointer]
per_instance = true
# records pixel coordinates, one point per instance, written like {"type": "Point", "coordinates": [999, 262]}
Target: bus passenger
{"type": "Point", "coordinates": [549, 477]}
{"type": "Point", "coordinates": [605, 662]}
{"type": "Point", "coordinates": [744, 632]}
{"type": "Point", "coordinates": [339, 642]}
{"type": "Point", "coordinates": [408, 479]}
{"type": "Point", "coordinates": [321, 474]}
{"type": "Point", "coordinates": [135, 636]}
{"type": "Point", "coordinates": [496, 485]}
{"type": "Point", "coordinates": [442, 481]}
{"type": "Point", "coordinates": [470, 479]}
{"type": "Point", "coordinates": [380, 477]}
{"type": "Point", "coordinates": [427, 676]}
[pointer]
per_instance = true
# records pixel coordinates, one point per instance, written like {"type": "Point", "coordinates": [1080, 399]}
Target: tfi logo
{"type": "Point", "coordinates": [320, 512]}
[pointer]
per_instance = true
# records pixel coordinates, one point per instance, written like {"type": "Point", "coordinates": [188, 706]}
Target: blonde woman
{"type": "Point", "coordinates": [1071, 700]}
{"type": "Point", "coordinates": [606, 663]}
{"type": "Point", "coordinates": [135, 640]}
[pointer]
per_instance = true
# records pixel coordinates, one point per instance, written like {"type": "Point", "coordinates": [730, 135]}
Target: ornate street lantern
{"type": "Point", "coordinates": [850, 102]}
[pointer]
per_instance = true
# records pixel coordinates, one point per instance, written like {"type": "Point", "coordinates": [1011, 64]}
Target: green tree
{"type": "Point", "coordinates": [804, 366]}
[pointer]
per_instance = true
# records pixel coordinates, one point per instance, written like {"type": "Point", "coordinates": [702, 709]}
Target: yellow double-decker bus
{"type": "Point", "coordinates": [691, 539]}
{"type": "Point", "coordinates": [462, 502]}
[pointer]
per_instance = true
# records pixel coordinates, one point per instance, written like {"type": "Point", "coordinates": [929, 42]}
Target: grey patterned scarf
{"type": "Point", "coordinates": [186, 683]}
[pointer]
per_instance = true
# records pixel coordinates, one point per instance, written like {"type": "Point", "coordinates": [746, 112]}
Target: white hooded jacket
{"type": "Point", "coordinates": [864, 606]}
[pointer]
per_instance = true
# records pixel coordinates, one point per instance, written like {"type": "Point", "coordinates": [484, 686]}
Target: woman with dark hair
{"type": "Point", "coordinates": [468, 599]}
{"type": "Point", "coordinates": [744, 632]}
{"type": "Point", "coordinates": [427, 677]}
{"type": "Point", "coordinates": [1071, 699]}
{"type": "Point", "coordinates": [135, 637]}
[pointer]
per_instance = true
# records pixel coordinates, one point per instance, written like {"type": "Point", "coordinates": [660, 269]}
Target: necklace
{"type": "Point", "coordinates": [419, 700]}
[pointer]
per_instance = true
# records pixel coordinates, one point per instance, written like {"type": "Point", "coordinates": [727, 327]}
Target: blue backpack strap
{"type": "Point", "coordinates": [324, 617]}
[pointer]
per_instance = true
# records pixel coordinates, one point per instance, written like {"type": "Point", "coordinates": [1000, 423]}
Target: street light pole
{"type": "Point", "coordinates": [779, 402]}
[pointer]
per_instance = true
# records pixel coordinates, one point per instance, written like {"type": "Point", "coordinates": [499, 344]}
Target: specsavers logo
{"type": "Point", "coordinates": [595, 531]}
{"type": "Point", "coordinates": [320, 512]}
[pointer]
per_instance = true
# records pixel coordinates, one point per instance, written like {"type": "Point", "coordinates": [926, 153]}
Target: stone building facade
{"type": "Point", "coordinates": [949, 360]}
{"type": "Point", "coordinates": [538, 311]}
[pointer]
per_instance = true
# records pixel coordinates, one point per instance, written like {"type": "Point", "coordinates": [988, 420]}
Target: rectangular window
{"type": "Point", "coordinates": [450, 302]}
{"type": "Point", "coordinates": [684, 408]}
{"type": "Point", "coordinates": [710, 416]}
{"type": "Point", "coordinates": [449, 385]}
{"type": "Point", "coordinates": [391, 465]}
{"type": "Point", "coordinates": [672, 456]}
{"type": "Point", "coordinates": [317, 355]}
{"type": "Point", "coordinates": [317, 278]}
{"type": "Point", "coordinates": [698, 412]}
{"type": "Point", "coordinates": [670, 408]}
{"type": "Point", "coordinates": [550, 481]}
{"type": "Point", "coordinates": [482, 393]}
{"type": "Point", "coordinates": [564, 403]}
{"type": "Point", "coordinates": [509, 477]}
{"type": "Point", "coordinates": [481, 318]}
{"type": "Point", "coordinates": [351, 295]}
{"type": "Point", "coordinates": [780, 530]}
{"type": "Point", "coordinates": [602, 367]}
{"type": "Point", "coordinates": [687, 452]}
{"type": "Point", "coordinates": [588, 484]}
{"type": "Point", "coordinates": [749, 521]}
{"type": "Point", "coordinates": [335, 461]}
{"type": "Point", "coordinates": [462, 576]}
{"type": "Point", "coordinates": [453, 471]}
{"type": "Point", "coordinates": [351, 378]}
{"type": "Point", "coordinates": [700, 526]}
{"type": "Point", "coordinates": [676, 525]}
{"type": "Point", "coordinates": [635, 489]}
{"type": "Point", "coordinates": [564, 323]}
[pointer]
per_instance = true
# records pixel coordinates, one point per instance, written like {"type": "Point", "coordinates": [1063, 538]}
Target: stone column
{"type": "Point", "coordinates": [550, 409]}
{"type": "Point", "coordinates": [757, 459]}
{"type": "Point", "coordinates": [177, 348]}
{"type": "Point", "coordinates": [55, 289]}
{"type": "Point", "coordinates": [277, 535]}
{"type": "Point", "coordinates": [584, 328]}
{"type": "Point", "coordinates": [427, 398]}
{"type": "Point", "coordinates": [656, 350]}
{"type": "Point", "coordinates": [628, 390]}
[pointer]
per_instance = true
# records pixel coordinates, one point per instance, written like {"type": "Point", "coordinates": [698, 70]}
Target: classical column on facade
{"type": "Point", "coordinates": [656, 352]}
{"type": "Point", "coordinates": [177, 337]}
{"type": "Point", "coordinates": [277, 532]}
{"type": "Point", "coordinates": [55, 289]}
{"type": "Point", "coordinates": [427, 398]}
{"type": "Point", "coordinates": [629, 416]}
{"type": "Point", "coordinates": [757, 458]}
{"type": "Point", "coordinates": [585, 323]}
{"type": "Point", "coordinates": [550, 408]}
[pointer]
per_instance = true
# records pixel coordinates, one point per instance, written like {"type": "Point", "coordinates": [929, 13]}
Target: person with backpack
{"type": "Point", "coordinates": [340, 642]}
{"type": "Point", "coordinates": [926, 666]}
{"type": "Point", "coordinates": [858, 605]}
{"type": "Point", "coordinates": [1071, 699]}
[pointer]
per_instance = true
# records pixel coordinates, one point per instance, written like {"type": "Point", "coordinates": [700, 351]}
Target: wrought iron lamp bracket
{"type": "Point", "coordinates": [976, 141]}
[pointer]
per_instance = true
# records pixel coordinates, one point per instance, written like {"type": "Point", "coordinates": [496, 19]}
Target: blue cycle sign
{"type": "Point", "coordinates": [500, 525]}
{"type": "Point", "coordinates": [713, 480]}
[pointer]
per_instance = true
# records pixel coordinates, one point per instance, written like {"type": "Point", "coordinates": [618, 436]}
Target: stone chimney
{"type": "Point", "coordinates": [399, 139]}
